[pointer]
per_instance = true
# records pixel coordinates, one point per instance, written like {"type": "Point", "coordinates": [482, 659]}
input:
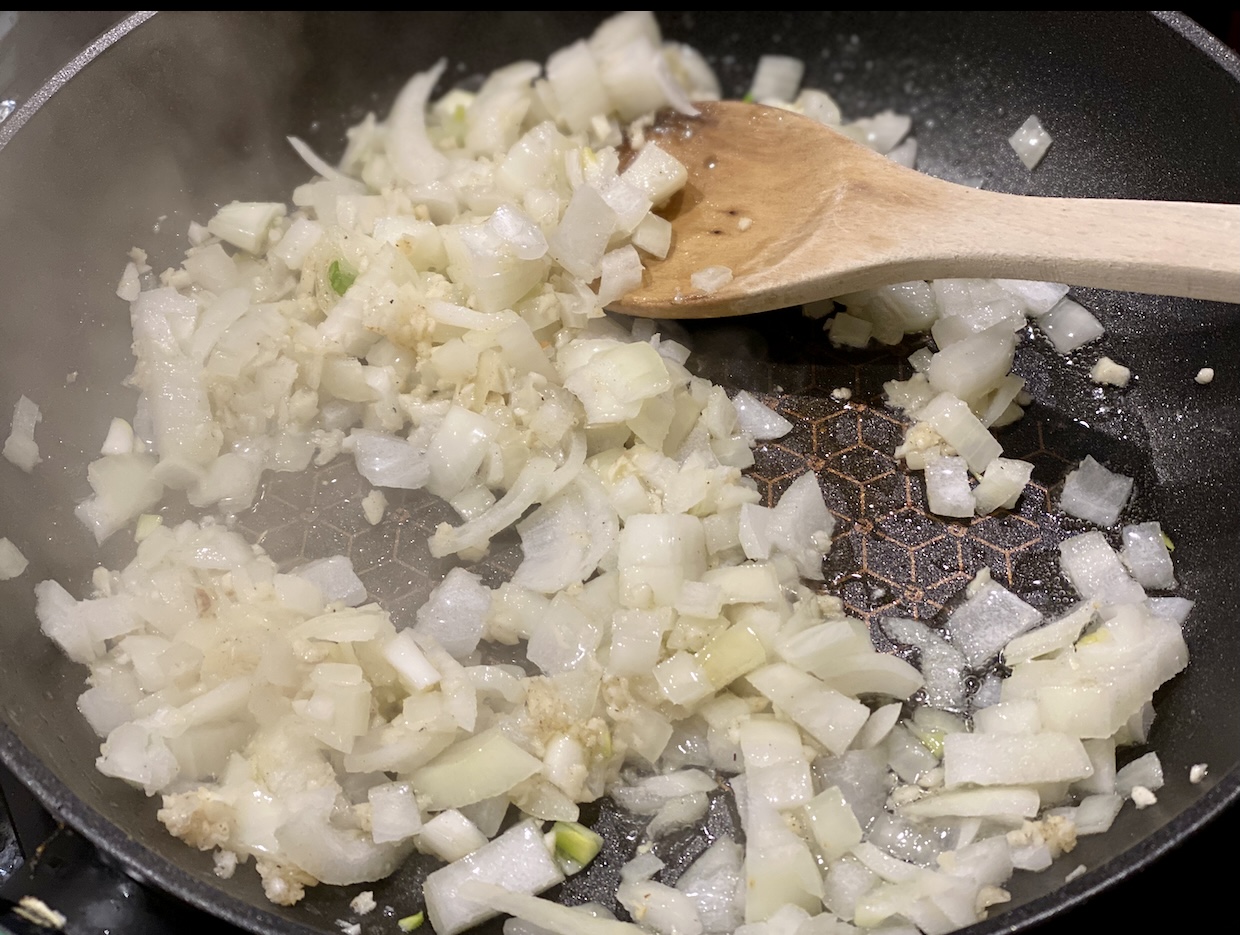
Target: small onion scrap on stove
{"type": "Point", "coordinates": [429, 308]}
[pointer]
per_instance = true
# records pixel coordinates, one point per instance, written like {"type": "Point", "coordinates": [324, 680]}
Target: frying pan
{"type": "Point", "coordinates": [167, 116]}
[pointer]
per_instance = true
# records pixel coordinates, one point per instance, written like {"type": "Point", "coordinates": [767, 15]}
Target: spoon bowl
{"type": "Point", "coordinates": [798, 212]}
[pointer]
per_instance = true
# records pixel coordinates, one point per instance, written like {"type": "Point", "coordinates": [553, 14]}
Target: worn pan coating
{"type": "Point", "coordinates": [166, 117]}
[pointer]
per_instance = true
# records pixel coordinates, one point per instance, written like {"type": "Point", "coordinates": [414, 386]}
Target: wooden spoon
{"type": "Point", "coordinates": [799, 212]}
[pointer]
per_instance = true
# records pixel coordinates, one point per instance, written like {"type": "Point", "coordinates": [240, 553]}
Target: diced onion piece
{"type": "Point", "coordinates": [518, 860]}
{"type": "Point", "coordinates": [576, 842]}
{"type": "Point", "coordinates": [450, 836]}
{"type": "Point", "coordinates": [1013, 759]}
{"type": "Point", "coordinates": [974, 366]}
{"type": "Point", "coordinates": [1144, 771]}
{"type": "Point", "coordinates": [1070, 326]}
{"type": "Point", "coordinates": [580, 241]}
{"type": "Point", "coordinates": [1060, 634]}
{"type": "Point", "coordinates": [20, 447]}
{"type": "Point", "coordinates": [478, 767]}
{"type": "Point", "coordinates": [849, 331]}
{"type": "Point", "coordinates": [656, 173]}
{"type": "Point", "coordinates": [715, 884]}
{"type": "Point", "coordinates": [881, 133]}
{"type": "Point", "coordinates": [455, 613]}
{"type": "Point", "coordinates": [394, 814]}
{"type": "Point", "coordinates": [621, 272]}
{"type": "Point", "coordinates": [406, 657]}
{"type": "Point", "coordinates": [1146, 555]}
{"type": "Point", "coordinates": [549, 916]}
{"type": "Point", "coordinates": [947, 487]}
{"type": "Point", "coordinates": [710, 279]}
{"type": "Point", "coordinates": [1095, 570]}
{"type": "Point", "coordinates": [1092, 492]}
{"type": "Point", "coordinates": [951, 418]}
{"type": "Point", "coordinates": [777, 78]}
{"type": "Point", "coordinates": [412, 153]}
{"type": "Point", "coordinates": [984, 623]}
{"type": "Point", "coordinates": [825, 714]}
{"type": "Point", "coordinates": [12, 562]}
{"type": "Point", "coordinates": [245, 224]}
{"type": "Point", "coordinates": [1037, 297]}
{"type": "Point", "coordinates": [995, 802]}
{"type": "Point", "coordinates": [758, 420]}
{"type": "Point", "coordinates": [335, 578]}
{"type": "Point", "coordinates": [1001, 485]}
{"type": "Point", "coordinates": [1031, 142]}
{"type": "Point", "coordinates": [832, 823]}
{"type": "Point", "coordinates": [653, 235]}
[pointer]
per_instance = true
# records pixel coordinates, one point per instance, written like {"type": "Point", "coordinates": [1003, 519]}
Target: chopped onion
{"type": "Point", "coordinates": [1031, 142]}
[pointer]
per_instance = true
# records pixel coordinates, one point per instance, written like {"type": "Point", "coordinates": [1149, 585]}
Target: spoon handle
{"type": "Point", "coordinates": [1159, 247]}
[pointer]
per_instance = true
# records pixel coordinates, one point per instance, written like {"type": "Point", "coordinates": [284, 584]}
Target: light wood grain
{"type": "Point", "coordinates": [828, 217]}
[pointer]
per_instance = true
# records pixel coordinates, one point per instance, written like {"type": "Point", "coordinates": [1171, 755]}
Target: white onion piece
{"type": "Point", "coordinates": [756, 419]}
{"type": "Point", "coordinates": [676, 95]}
{"type": "Point", "coordinates": [1013, 759]}
{"type": "Point", "coordinates": [1096, 572]}
{"type": "Point", "coordinates": [1070, 326]}
{"type": "Point", "coordinates": [125, 486]}
{"type": "Point", "coordinates": [710, 279]}
{"type": "Point", "coordinates": [648, 795]}
{"type": "Point", "coordinates": [245, 224]}
{"type": "Point", "coordinates": [942, 665]}
{"type": "Point", "coordinates": [580, 241]}
{"type": "Point", "coordinates": [394, 814]}
{"type": "Point", "coordinates": [549, 916]}
{"type": "Point", "coordinates": [881, 133]}
{"type": "Point", "coordinates": [455, 612]}
{"type": "Point", "coordinates": [620, 273]}
{"type": "Point", "coordinates": [529, 488]}
{"type": "Point", "coordinates": [657, 173]}
{"type": "Point", "coordinates": [406, 657]}
{"type": "Point", "coordinates": [412, 153]}
{"type": "Point", "coordinates": [660, 908]}
{"type": "Point", "coordinates": [951, 418]}
{"type": "Point", "coordinates": [1145, 553]}
{"type": "Point", "coordinates": [984, 623]}
{"type": "Point", "coordinates": [905, 154]}
{"type": "Point", "coordinates": [1144, 771]}
{"type": "Point", "coordinates": [947, 487]}
{"type": "Point", "coordinates": [715, 885]}
{"type": "Point", "coordinates": [12, 562]}
{"type": "Point", "coordinates": [1053, 636]}
{"type": "Point", "coordinates": [320, 165]}
{"type": "Point", "coordinates": [450, 836]}
{"type": "Point", "coordinates": [564, 540]}
{"type": "Point", "coordinates": [1037, 297]}
{"type": "Point", "coordinates": [801, 526]}
{"type": "Point", "coordinates": [1031, 142]}
{"type": "Point", "coordinates": [335, 578]}
{"type": "Point", "coordinates": [518, 860]}
{"type": "Point", "coordinates": [1096, 813]}
{"type": "Point", "coordinates": [20, 447]}
{"type": "Point", "coordinates": [1001, 485]}
{"type": "Point", "coordinates": [974, 366]}
{"type": "Point", "coordinates": [1092, 492]}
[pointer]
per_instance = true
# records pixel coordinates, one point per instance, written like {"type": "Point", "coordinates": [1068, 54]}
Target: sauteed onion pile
{"type": "Point", "coordinates": [433, 309]}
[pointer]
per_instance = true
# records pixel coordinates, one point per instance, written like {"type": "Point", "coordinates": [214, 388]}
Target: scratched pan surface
{"type": "Point", "coordinates": [171, 116]}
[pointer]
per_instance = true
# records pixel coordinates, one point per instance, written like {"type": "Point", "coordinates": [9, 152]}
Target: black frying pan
{"type": "Point", "coordinates": [186, 111]}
